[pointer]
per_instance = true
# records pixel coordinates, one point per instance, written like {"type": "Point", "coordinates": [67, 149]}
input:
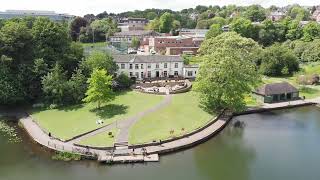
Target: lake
{"type": "Point", "coordinates": [279, 145]}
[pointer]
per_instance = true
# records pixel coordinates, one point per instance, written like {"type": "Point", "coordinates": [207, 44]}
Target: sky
{"type": "Point", "coordinates": [82, 7]}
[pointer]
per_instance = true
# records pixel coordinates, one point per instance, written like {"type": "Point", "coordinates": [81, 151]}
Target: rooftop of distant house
{"type": "Point", "coordinates": [135, 33]}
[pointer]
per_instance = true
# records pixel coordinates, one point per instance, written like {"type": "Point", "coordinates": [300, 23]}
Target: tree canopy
{"type": "Point", "coordinates": [227, 72]}
{"type": "Point", "coordinates": [99, 89]}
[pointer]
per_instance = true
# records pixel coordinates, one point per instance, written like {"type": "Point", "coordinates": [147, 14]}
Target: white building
{"type": "Point", "coordinates": [9, 14]}
{"type": "Point", "coordinates": [153, 66]}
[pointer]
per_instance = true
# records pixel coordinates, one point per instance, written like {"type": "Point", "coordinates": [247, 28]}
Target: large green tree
{"type": "Point", "coordinates": [166, 21]}
{"type": "Point", "coordinates": [227, 72]}
{"type": "Point", "coordinates": [214, 31]}
{"type": "Point", "coordinates": [99, 89]}
{"type": "Point", "coordinates": [100, 60]}
{"type": "Point", "coordinates": [311, 31]}
{"type": "Point", "coordinates": [278, 60]}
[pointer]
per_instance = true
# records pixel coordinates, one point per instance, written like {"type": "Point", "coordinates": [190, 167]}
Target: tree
{"type": "Point", "coordinates": [103, 28]}
{"type": "Point", "coordinates": [294, 30]}
{"type": "Point", "coordinates": [16, 42]}
{"type": "Point", "coordinates": [51, 41]}
{"type": "Point", "coordinates": [166, 21]}
{"type": "Point", "coordinates": [299, 13]}
{"type": "Point", "coordinates": [227, 71]}
{"type": "Point", "coordinates": [99, 89]}
{"type": "Point", "coordinates": [54, 85]}
{"type": "Point", "coordinates": [76, 87]}
{"type": "Point", "coordinates": [123, 82]}
{"type": "Point", "coordinates": [311, 31]}
{"type": "Point", "coordinates": [278, 60]}
{"type": "Point", "coordinates": [154, 25]}
{"type": "Point", "coordinates": [242, 26]}
{"type": "Point", "coordinates": [135, 43]}
{"type": "Point", "coordinates": [11, 90]}
{"type": "Point", "coordinates": [100, 60]}
{"type": "Point", "coordinates": [311, 51]}
{"type": "Point", "coordinates": [151, 15]}
{"type": "Point", "coordinates": [214, 31]}
{"type": "Point", "coordinates": [75, 26]}
{"type": "Point", "coordinates": [255, 13]}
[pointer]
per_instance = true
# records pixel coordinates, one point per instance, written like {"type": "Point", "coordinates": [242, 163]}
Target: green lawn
{"type": "Point", "coordinates": [68, 122]}
{"type": "Point", "coordinates": [311, 68]}
{"type": "Point", "coordinates": [181, 116]}
{"type": "Point", "coordinates": [309, 92]}
{"type": "Point", "coordinates": [251, 101]}
{"type": "Point", "coordinates": [102, 139]}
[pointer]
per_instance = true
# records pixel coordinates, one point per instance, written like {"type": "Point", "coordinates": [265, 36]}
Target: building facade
{"type": "Point", "coordinates": [132, 24]}
{"type": "Point", "coordinates": [127, 36]}
{"type": "Point", "coordinates": [152, 66]}
{"type": "Point", "coordinates": [176, 45]}
{"type": "Point", "coordinates": [276, 15]}
{"type": "Point", "coordinates": [9, 14]}
{"type": "Point", "coordinates": [277, 92]}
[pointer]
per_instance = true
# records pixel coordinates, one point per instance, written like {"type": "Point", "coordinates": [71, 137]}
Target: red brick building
{"type": "Point", "coordinates": [161, 44]}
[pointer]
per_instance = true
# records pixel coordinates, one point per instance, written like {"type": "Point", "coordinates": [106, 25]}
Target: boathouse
{"type": "Point", "coordinates": [277, 92]}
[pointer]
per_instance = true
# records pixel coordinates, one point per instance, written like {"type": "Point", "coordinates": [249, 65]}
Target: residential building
{"type": "Point", "coordinates": [127, 36]}
{"type": "Point", "coordinates": [9, 14]}
{"type": "Point", "coordinates": [153, 66]}
{"type": "Point", "coordinates": [193, 32]}
{"type": "Point", "coordinates": [132, 24]}
{"type": "Point", "coordinates": [276, 15]}
{"type": "Point", "coordinates": [161, 44]}
{"type": "Point", "coordinates": [190, 71]}
{"type": "Point", "coordinates": [277, 92]}
{"type": "Point", "coordinates": [181, 50]}
{"type": "Point", "coordinates": [316, 14]}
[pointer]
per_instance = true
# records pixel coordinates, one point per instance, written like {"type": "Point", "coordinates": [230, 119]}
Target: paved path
{"type": "Point", "coordinates": [42, 138]}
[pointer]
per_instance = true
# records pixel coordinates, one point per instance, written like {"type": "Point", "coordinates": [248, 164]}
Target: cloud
{"type": "Point", "coordinates": [81, 7]}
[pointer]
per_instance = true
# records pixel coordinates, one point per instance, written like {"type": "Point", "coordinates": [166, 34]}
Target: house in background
{"type": "Point", "coordinates": [276, 15]}
{"type": "Point", "coordinates": [316, 14]}
{"type": "Point", "coordinates": [127, 36]}
{"type": "Point", "coordinates": [277, 92]}
{"type": "Point", "coordinates": [132, 24]}
{"type": "Point", "coordinates": [153, 66]}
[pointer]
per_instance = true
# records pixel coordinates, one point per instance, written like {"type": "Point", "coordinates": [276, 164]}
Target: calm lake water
{"type": "Point", "coordinates": [282, 145]}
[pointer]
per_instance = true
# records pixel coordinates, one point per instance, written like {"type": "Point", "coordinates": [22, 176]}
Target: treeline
{"type": "Point", "coordinates": [39, 62]}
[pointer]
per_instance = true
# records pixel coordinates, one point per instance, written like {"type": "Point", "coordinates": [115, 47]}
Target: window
{"type": "Point", "coordinates": [149, 66]}
{"type": "Point", "coordinates": [165, 73]}
{"type": "Point", "coordinates": [130, 74]}
{"type": "Point", "coordinates": [165, 65]}
{"type": "Point", "coordinates": [157, 65]}
{"type": "Point", "coordinates": [149, 74]}
{"type": "Point", "coordinates": [190, 73]}
{"type": "Point", "coordinates": [137, 74]}
{"type": "Point", "coordinates": [136, 66]}
{"type": "Point", "coordinates": [141, 66]}
{"type": "Point", "coordinates": [176, 65]}
{"type": "Point", "coordinates": [176, 73]}
{"type": "Point", "coordinates": [123, 66]}
{"type": "Point", "coordinates": [130, 66]}
{"type": "Point", "coordinates": [142, 75]}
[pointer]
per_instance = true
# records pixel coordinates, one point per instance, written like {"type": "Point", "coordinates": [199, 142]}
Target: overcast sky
{"type": "Point", "coordinates": [81, 7]}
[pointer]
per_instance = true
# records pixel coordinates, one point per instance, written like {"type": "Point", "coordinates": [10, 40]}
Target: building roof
{"type": "Point", "coordinates": [133, 33]}
{"type": "Point", "coordinates": [192, 66]}
{"type": "Point", "coordinates": [276, 88]}
{"type": "Point", "coordinates": [146, 59]}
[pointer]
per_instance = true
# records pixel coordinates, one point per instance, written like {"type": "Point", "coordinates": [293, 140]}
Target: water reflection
{"type": "Point", "coordinates": [226, 157]}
